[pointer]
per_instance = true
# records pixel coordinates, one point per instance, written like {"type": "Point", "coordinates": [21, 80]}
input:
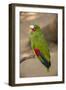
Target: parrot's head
{"type": "Point", "coordinates": [34, 28]}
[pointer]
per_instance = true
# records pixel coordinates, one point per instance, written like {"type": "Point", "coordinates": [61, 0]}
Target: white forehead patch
{"type": "Point", "coordinates": [31, 26]}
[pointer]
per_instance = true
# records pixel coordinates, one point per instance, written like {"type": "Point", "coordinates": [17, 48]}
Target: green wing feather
{"type": "Point", "coordinates": [38, 41]}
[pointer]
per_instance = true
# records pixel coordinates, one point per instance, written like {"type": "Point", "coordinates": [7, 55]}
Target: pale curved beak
{"type": "Point", "coordinates": [31, 26]}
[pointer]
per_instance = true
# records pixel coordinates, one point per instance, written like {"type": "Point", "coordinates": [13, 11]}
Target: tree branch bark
{"type": "Point", "coordinates": [26, 58]}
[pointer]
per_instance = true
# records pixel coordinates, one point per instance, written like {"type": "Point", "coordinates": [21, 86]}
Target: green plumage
{"type": "Point", "coordinates": [38, 41]}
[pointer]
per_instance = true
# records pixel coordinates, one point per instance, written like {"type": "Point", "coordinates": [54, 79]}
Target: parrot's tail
{"type": "Point", "coordinates": [45, 62]}
{"type": "Point", "coordinates": [48, 68]}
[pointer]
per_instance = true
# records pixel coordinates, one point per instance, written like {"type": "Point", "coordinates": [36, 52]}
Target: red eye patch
{"type": "Point", "coordinates": [33, 29]}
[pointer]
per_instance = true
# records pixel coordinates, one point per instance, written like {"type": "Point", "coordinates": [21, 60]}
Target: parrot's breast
{"type": "Point", "coordinates": [38, 41]}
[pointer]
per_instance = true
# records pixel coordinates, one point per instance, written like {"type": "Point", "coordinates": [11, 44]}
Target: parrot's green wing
{"type": "Point", "coordinates": [38, 42]}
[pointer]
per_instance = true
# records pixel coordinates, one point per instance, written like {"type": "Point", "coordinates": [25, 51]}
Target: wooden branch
{"type": "Point", "coordinates": [26, 58]}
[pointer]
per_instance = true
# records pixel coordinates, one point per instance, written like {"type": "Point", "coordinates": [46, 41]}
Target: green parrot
{"type": "Point", "coordinates": [39, 45]}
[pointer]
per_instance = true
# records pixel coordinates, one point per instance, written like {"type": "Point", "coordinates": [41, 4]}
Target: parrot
{"type": "Point", "coordinates": [39, 45]}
